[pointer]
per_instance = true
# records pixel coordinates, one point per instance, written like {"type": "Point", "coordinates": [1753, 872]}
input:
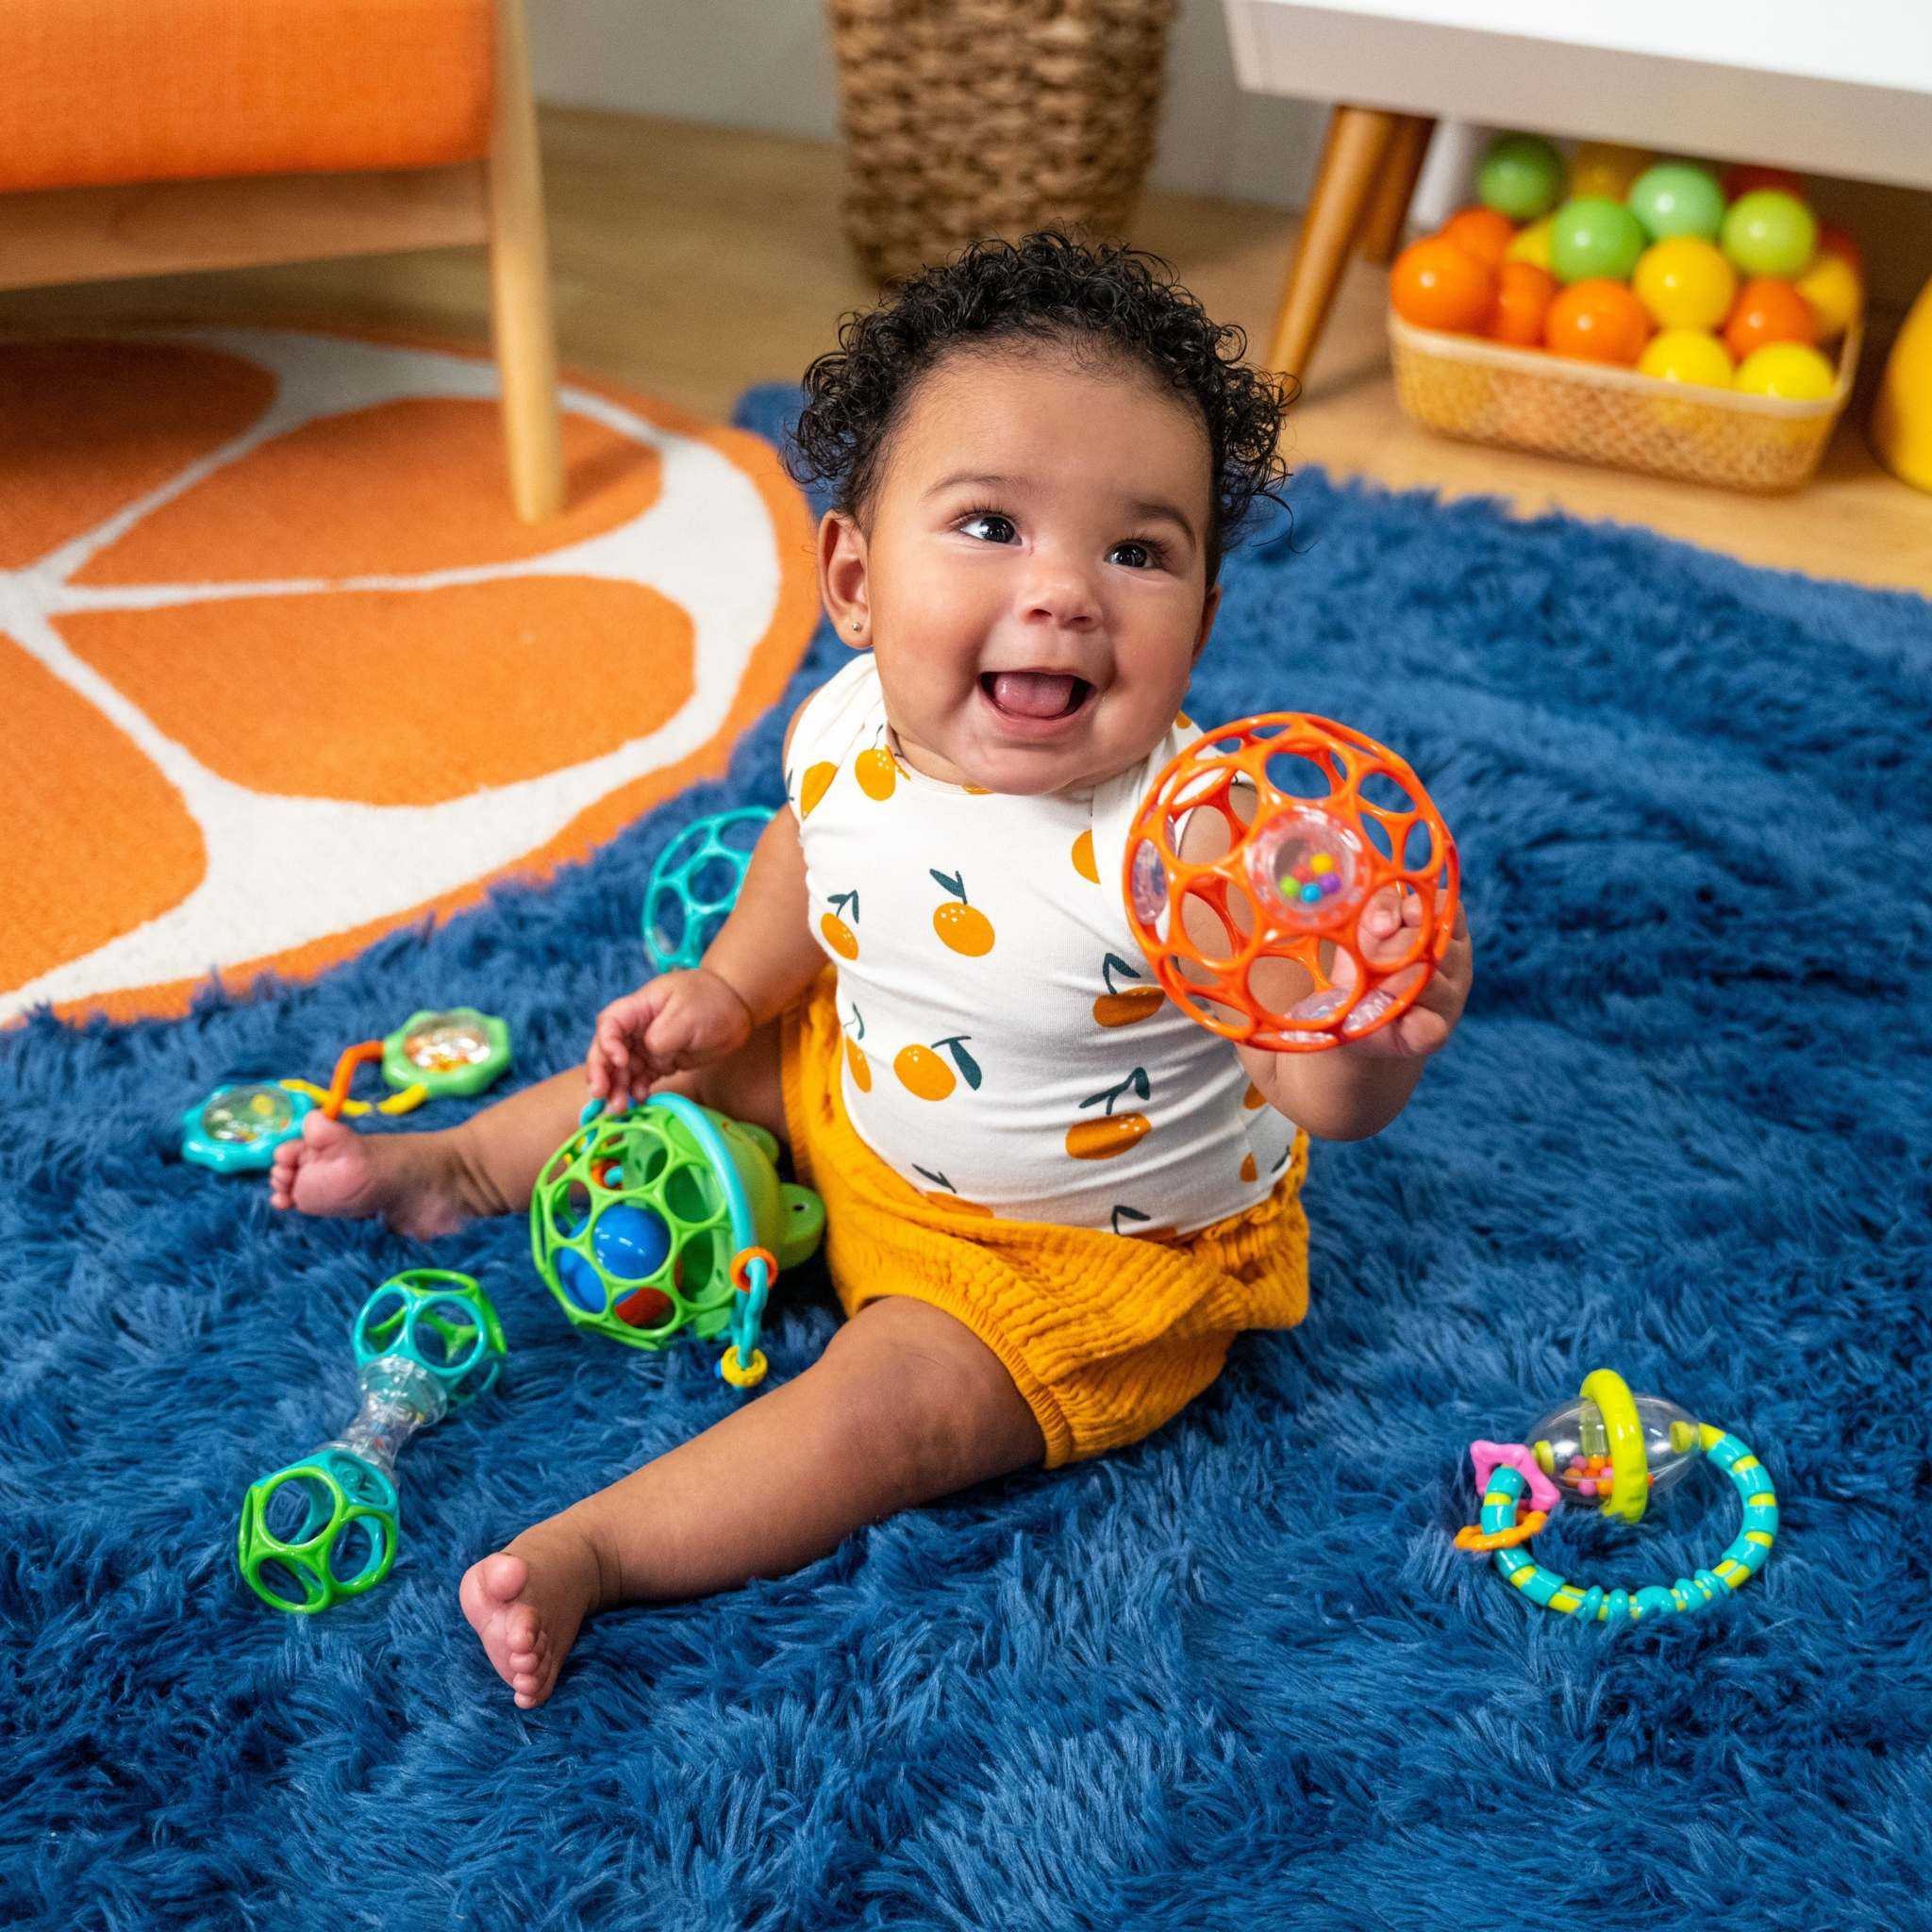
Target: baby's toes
{"type": "Point", "coordinates": [521, 1631]}
{"type": "Point", "coordinates": [488, 1595]}
{"type": "Point", "coordinates": [530, 1688]}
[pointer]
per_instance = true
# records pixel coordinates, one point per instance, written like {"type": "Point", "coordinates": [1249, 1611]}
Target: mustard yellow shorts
{"type": "Point", "coordinates": [1107, 1336]}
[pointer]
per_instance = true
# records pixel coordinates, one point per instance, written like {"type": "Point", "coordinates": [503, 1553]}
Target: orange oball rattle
{"type": "Point", "coordinates": [1302, 865]}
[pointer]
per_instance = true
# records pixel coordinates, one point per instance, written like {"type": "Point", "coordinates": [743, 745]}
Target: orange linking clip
{"type": "Point", "coordinates": [1472, 1536]}
{"type": "Point", "coordinates": [740, 1267]}
{"type": "Point", "coordinates": [344, 1074]}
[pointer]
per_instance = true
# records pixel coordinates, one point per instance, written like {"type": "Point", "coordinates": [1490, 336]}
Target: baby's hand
{"type": "Point", "coordinates": [677, 1020]}
{"type": "Point", "coordinates": [1387, 931]}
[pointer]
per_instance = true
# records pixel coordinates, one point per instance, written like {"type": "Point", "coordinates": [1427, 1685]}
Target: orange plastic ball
{"type": "Point", "coordinates": [1481, 232]}
{"type": "Point", "coordinates": [1523, 294]}
{"type": "Point", "coordinates": [1768, 309]}
{"type": "Point", "coordinates": [1298, 879]}
{"type": "Point", "coordinates": [1748, 177]}
{"type": "Point", "coordinates": [1597, 321]}
{"type": "Point", "coordinates": [1435, 284]}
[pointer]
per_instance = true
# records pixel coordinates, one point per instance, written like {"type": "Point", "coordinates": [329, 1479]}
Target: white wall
{"type": "Point", "coordinates": [768, 64]}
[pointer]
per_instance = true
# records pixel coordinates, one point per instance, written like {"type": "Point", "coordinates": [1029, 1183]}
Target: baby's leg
{"type": "Point", "coordinates": [906, 1405]}
{"type": "Point", "coordinates": [429, 1184]}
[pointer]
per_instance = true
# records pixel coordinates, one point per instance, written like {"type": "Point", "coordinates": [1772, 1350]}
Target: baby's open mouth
{"type": "Point", "coordinates": [1035, 694]}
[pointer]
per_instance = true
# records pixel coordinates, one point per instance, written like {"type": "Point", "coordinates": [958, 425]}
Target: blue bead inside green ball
{"type": "Point", "coordinates": [630, 1244]}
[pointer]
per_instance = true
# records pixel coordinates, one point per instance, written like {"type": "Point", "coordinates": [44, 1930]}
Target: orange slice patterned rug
{"type": "Point", "coordinates": [280, 669]}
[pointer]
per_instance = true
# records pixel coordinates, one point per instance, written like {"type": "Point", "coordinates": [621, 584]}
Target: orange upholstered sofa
{"type": "Point", "coordinates": [145, 137]}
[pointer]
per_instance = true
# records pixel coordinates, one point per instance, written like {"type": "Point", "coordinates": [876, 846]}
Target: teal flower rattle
{"type": "Point", "coordinates": [324, 1529]}
{"type": "Point", "coordinates": [1612, 1450]}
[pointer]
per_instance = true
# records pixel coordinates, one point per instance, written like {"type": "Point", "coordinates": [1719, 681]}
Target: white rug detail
{"type": "Point", "coordinates": [283, 871]}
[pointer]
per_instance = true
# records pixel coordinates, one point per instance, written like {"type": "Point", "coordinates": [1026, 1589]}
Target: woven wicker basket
{"type": "Point", "coordinates": [970, 118]}
{"type": "Point", "coordinates": [1527, 399]}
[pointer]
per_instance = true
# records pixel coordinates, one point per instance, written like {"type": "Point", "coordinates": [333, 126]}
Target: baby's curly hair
{"type": "Point", "coordinates": [1047, 289]}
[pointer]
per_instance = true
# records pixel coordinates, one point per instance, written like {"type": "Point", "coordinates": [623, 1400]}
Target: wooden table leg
{"type": "Point", "coordinates": [1352, 157]}
{"type": "Point", "coordinates": [1382, 229]}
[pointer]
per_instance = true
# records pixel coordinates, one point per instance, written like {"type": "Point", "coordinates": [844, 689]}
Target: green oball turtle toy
{"type": "Point", "coordinates": [669, 1217]}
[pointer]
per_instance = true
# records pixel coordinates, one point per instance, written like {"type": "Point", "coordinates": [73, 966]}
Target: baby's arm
{"type": "Point", "coordinates": [766, 951]}
{"type": "Point", "coordinates": [764, 958]}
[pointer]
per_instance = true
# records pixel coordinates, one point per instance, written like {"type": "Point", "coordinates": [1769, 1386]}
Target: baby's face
{"type": "Point", "coordinates": [1034, 582]}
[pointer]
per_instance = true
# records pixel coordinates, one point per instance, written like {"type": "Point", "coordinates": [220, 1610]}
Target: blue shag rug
{"type": "Point", "coordinates": [1236, 1676]}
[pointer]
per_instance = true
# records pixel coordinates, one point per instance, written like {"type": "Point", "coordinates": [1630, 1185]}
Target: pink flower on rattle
{"type": "Point", "coordinates": [1543, 1496]}
{"type": "Point", "coordinates": [1489, 1457]}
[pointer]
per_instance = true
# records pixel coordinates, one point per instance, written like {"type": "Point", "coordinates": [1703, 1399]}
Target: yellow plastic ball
{"type": "Point", "coordinates": [1687, 355]}
{"type": "Point", "coordinates": [1832, 287]}
{"type": "Point", "coordinates": [1684, 283]}
{"type": "Point", "coordinates": [1792, 370]}
{"type": "Point", "coordinates": [1605, 168]}
{"type": "Point", "coordinates": [1531, 244]}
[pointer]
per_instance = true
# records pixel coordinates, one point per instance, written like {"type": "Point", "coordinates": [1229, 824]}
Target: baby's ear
{"type": "Point", "coordinates": [844, 578]}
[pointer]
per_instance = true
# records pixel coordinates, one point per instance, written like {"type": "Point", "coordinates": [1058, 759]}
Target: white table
{"type": "Point", "coordinates": [1832, 87]}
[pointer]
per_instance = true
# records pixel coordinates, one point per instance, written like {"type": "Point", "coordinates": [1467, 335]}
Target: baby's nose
{"type": "Point", "coordinates": [1061, 593]}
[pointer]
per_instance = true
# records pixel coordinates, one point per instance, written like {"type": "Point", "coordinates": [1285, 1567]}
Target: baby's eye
{"type": "Point", "coordinates": [1140, 554]}
{"type": "Point", "coordinates": [985, 516]}
{"type": "Point", "coordinates": [1154, 549]}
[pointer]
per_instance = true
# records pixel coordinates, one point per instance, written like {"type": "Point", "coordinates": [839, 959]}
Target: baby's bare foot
{"type": "Point", "coordinates": [333, 1170]}
{"type": "Point", "coordinates": [526, 1603]}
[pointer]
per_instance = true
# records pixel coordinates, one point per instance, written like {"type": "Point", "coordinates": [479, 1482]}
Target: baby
{"type": "Point", "coordinates": [1052, 1199]}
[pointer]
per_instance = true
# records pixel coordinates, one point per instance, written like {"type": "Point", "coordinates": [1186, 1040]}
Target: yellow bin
{"type": "Point", "coordinates": [1901, 424]}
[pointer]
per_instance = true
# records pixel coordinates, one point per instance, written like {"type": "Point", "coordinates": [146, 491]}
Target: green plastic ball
{"type": "Point", "coordinates": [319, 1531]}
{"type": "Point", "coordinates": [1521, 176]}
{"type": "Point", "coordinates": [1768, 232]}
{"type": "Point", "coordinates": [1677, 198]}
{"type": "Point", "coordinates": [1594, 237]}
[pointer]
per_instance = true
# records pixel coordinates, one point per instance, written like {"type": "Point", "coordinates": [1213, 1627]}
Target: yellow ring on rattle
{"type": "Point", "coordinates": [1629, 1466]}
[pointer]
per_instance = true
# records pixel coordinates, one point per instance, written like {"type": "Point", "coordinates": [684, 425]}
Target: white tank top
{"type": "Point", "coordinates": [1005, 1041]}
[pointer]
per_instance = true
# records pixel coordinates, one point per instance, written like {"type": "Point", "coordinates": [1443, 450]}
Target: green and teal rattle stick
{"type": "Point", "coordinates": [325, 1529]}
{"type": "Point", "coordinates": [1612, 1450]}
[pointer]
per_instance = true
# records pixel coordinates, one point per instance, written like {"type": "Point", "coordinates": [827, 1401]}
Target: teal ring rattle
{"type": "Point", "coordinates": [701, 848]}
{"type": "Point", "coordinates": [1613, 1450]}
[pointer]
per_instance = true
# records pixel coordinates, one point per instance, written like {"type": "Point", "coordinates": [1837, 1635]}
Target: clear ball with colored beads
{"type": "Point", "coordinates": [1307, 865]}
{"type": "Point", "coordinates": [1573, 1446]}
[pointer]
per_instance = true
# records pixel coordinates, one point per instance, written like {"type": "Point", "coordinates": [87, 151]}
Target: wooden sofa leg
{"type": "Point", "coordinates": [1387, 217]}
{"type": "Point", "coordinates": [520, 282]}
{"type": "Point", "coordinates": [1358, 140]}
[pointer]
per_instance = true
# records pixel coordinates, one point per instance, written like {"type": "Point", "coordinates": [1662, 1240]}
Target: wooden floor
{"type": "Point", "coordinates": [693, 260]}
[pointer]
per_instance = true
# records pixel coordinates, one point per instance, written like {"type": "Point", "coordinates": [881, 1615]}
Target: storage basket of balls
{"type": "Point", "coordinates": [1620, 309]}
